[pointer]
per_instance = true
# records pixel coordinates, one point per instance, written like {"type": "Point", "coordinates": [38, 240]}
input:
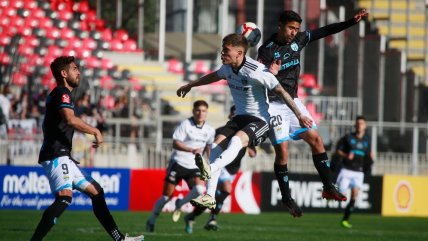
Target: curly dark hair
{"type": "Point", "coordinates": [59, 64]}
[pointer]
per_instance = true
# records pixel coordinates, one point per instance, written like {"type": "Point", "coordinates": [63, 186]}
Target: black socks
{"type": "Point", "coordinates": [281, 173]}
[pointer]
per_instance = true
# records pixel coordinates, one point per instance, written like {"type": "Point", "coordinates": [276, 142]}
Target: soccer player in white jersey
{"type": "Point", "coordinates": [192, 136]}
{"type": "Point", "coordinates": [248, 81]}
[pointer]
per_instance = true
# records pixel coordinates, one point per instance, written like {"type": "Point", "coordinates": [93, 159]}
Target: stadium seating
{"type": "Point", "coordinates": [403, 23]}
{"type": "Point", "coordinates": [46, 30]}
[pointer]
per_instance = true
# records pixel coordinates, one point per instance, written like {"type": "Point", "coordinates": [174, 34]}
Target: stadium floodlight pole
{"type": "Point", "coordinates": [321, 46]}
{"type": "Point", "coordinates": [403, 94]}
{"type": "Point", "coordinates": [381, 81]}
{"type": "Point", "coordinates": [415, 151]}
{"type": "Point", "coordinates": [302, 11]}
{"type": "Point", "coordinates": [140, 24]}
{"type": "Point", "coordinates": [162, 23]}
{"type": "Point", "coordinates": [341, 53]}
{"type": "Point", "coordinates": [260, 16]}
{"type": "Point", "coordinates": [360, 71]}
{"type": "Point", "coordinates": [189, 31]}
{"type": "Point", "coordinates": [223, 21]}
{"type": "Point", "coordinates": [119, 12]}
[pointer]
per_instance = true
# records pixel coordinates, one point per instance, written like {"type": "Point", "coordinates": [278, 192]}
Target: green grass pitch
{"type": "Point", "coordinates": [83, 226]}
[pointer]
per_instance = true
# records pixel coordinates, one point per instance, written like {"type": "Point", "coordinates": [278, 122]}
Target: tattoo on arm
{"type": "Point", "coordinates": [279, 90]}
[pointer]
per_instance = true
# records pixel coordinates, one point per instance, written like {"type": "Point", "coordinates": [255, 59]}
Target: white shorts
{"type": "Point", "coordinates": [284, 125]}
{"type": "Point", "coordinates": [63, 173]}
{"type": "Point", "coordinates": [225, 176]}
{"type": "Point", "coordinates": [349, 179]}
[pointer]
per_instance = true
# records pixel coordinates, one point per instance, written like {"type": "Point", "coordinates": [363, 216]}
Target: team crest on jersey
{"type": "Point", "coordinates": [276, 55]}
{"type": "Point", "coordinates": [294, 46]}
{"type": "Point", "coordinates": [65, 98]}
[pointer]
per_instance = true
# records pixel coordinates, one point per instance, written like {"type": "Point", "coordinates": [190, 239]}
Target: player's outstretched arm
{"type": "Point", "coordinates": [303, 120]}
{"type": "Point", "coordinates": [80, 125]}
{"type": "Point", "coordinates": [337, 27]}
{"type": "Point", "coordinates": [207, 79]}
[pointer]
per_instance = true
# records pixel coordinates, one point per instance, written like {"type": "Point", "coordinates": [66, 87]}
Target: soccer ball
{"type": "Point", "coordinates": [251, 32]}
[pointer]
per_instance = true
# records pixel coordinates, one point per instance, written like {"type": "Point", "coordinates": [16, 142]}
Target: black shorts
{"type": "Point", "coordinates": [175, 173]}
{"type": "Point", "coordinates": [256, 128]}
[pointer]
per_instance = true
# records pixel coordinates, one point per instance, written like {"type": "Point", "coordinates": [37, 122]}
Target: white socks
{"type": "Point", "coordinates": [235, 145]}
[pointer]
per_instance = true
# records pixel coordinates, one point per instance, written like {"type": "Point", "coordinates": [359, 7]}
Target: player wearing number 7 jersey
{"type": "Point", "coordinates": [62, 171]}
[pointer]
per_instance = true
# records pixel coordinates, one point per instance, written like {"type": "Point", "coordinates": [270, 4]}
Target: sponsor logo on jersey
{"type": "Point", "coordinates": [286, 56]}
{"type": "Point", "coordinates": [269, 45]}
{"type": "Point", "coordinates": [290, 64]}
{"type": "Point", "coordinates": [294, 46]}
{"type": "Point", "coordinates": [65, 98]}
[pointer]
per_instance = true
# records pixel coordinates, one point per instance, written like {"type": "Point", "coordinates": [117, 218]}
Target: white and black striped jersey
{"type": "Point", "coordinates": [194, 137]}
{"type": "Point", "coordinates": [248, 86]}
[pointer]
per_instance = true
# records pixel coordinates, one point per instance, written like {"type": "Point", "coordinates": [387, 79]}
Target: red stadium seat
{"type": "Point", "coordinates": [16, 4]}
{"type": "Point", "coordinates": [53, 33]}
{"type": "Point", "coordinates": [130, 45]}
{"type": "Point", "coordinates": [45, 23]}
{"type": "Point", "coordinates": [83, 53]}
{"type": "Point", "coordinates": [135, 84]}
{"type": "Point", "coordinates": [4, 21]}
{"type": "Point", "coordinates": [18, 79]}
{"type": "Point", "coordinates": [116, 45]}
{"type": "Point", "coordinates": [5, 58]}
{"type": "Point", "coordinates": [30, 4]}
{"type": "Point", "coordinates": [74, 43]}
{"type": "Point", "coordinates": [4, 3]}
{"type": "Point", "coordinates": [65, 15]}
{"type": "Point", "coordinates": [106, 63]}
{"type": "Point", "coordinates": [32, 41]}
{"type": "Point", "coordinates": [175, 66]}
{"type": "Point", "coordinates": [4, 40]}
{"type": "Point", "coordinates": [82, 6]}
{"type": "Point", "coordinates": [66, 33]}
{"type": "Point", "coordinates": [25, 31]}
{"type": "Point", "coordinates": [89, 43]}
{"type": "Point", "coordinates": [17, 21]}
{"type": "Point", "coordinates": [9, 11]}
{"type": "Point", "coordinates": [31, 22]}
{"type": "Point", "coordinates": [106, 35]}
{"type": "Point", "coordinates": [121, 35]}
{"type": "Point", "coordinates": [69, 52]}
{"type": "Point", "coordinates": [93, 62]}
{"type": "Point", "coordinates": [201, 67]}
{"type": "Point", "coordinates": [37, 13]}
{"type": "Point", "coordinates": [106, 82]}
{"type": "Point", "coordinates": [25, 50]}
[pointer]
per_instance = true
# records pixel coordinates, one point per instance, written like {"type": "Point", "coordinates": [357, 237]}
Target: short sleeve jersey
{"type": "Point", "coordinates": [57, 133]}
{"type": "Point", "coordinates": [289, 54]}
{"type": "Point", "coordinates": [360, 147]}
{"type": "Point", "coordinates": [248, 86]}
{"type": "Point", "coordinates": [192, 136]}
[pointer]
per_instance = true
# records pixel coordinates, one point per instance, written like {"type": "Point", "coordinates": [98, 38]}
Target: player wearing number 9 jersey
{"type": "Point", "coordinates": [62, 171]}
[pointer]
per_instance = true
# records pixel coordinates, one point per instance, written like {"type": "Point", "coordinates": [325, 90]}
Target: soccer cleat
{"type": "Point", "coordinates": [345, 224]}
{"type": "Point", "coordinates": [177, 212]}
{"type": "Point", "coordinates": [137, 238]}
{"type": "Point", "coordinates": [332, 193]}
{"type": "Point", "coordinates": [292, 207]}
{"type": "Point", "coordinates": [212, 225]}
{"type": "Point", "coordinates": [189, 224]}
{"type": "Point", "coordinates": [204, 201]}
{"type": "Point", "coordinates": [150, 227]}
{"type": "Point", "coordinates": [203, 166]}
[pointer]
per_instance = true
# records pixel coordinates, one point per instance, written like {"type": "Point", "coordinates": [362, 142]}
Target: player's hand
{"type": "Point", "coordinates": [183, 90]}
{"type": "Point", "coordinates": [275, 66]}
{"type": "Point", "coordinates": [198, 150]}
{"type": "Point", "coordinates": [351, 156]}
{"type": "Point", "coordinates": [360, 15]}
{"type": "Point", "coordinates": [305, 122]}
{"type": "Point", "coordinates": [98, 139]}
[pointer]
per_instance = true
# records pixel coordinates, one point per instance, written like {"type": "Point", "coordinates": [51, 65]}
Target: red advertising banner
{"type": "Point", "coordinates": [146, 187]}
